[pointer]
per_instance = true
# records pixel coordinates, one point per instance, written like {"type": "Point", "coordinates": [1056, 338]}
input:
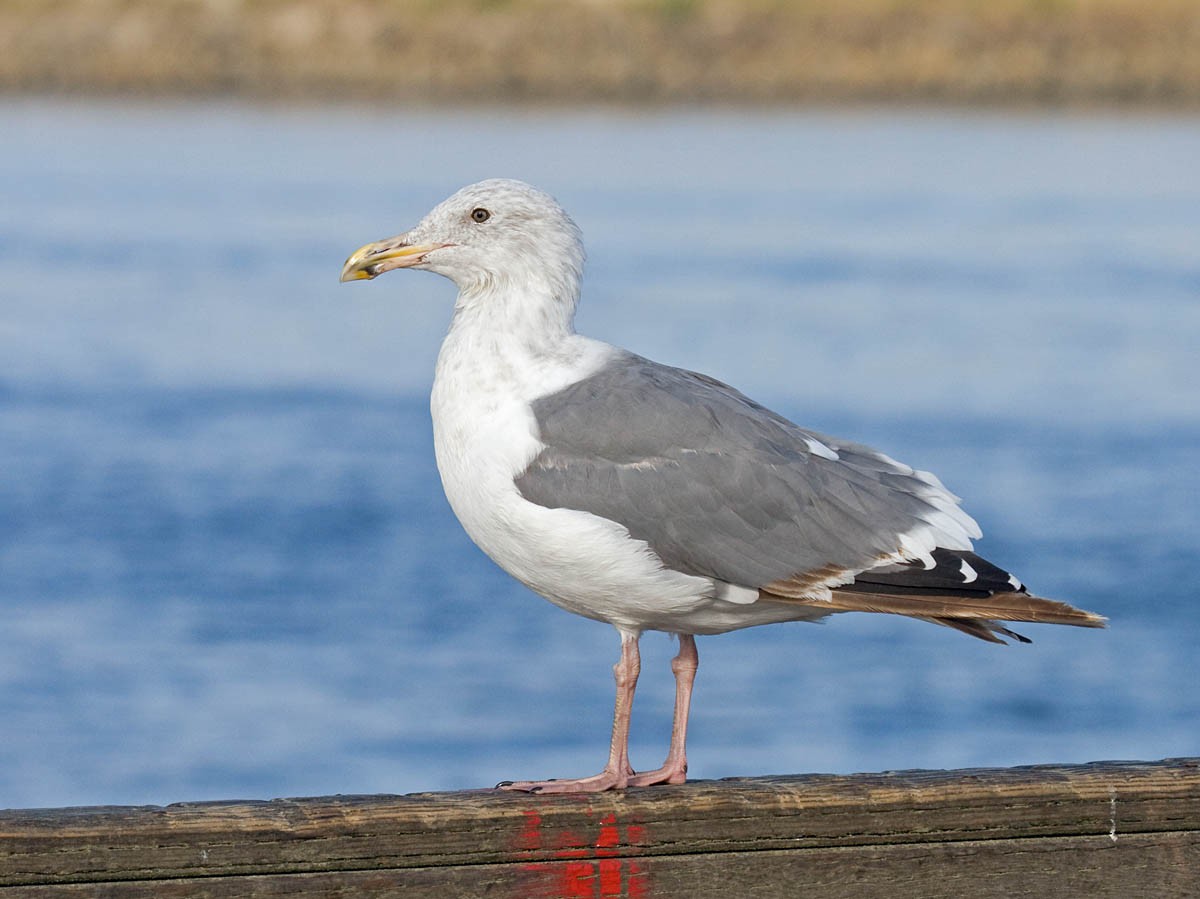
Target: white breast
{"type": "Point", "coordinates": [485, 435]}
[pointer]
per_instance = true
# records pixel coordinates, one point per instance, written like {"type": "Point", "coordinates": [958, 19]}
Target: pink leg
{"type": "Point", "coordinates": [617, 772]}
{"type": "Point", "coordinates": [674, 769]}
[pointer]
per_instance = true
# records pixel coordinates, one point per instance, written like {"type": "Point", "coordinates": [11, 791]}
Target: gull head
{"type": "Point", "coordinates": [487, 235]}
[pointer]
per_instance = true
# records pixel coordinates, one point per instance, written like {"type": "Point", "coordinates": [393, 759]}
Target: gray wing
{"type": "Point", "coordinates": [722, 487]}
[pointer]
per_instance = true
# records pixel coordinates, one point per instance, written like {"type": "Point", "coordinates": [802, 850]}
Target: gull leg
{"type": "Point", "coordinates": [674, 769]}
{"type": "Point", "coordinates": [617, 772]}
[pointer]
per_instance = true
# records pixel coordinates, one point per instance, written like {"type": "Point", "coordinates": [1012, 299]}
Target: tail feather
{"type": "Point", "coordinates": [984, 630]}
{"type": "Point", "coordinates": [977, 614]}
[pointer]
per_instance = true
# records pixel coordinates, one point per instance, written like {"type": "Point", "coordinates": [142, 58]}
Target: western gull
{"type": "Point", "coordinates": [655, 498]}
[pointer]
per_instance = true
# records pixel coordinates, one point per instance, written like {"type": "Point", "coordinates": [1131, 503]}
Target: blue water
{"type": "Point", "coordinates": [226, 566]}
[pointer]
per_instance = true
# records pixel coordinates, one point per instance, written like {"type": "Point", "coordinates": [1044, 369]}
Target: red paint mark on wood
{"type": "Point", "coordinates": [611, 877]}
{"type": "Point", "coordinates": [578, 880]}
{"type": "Point", "coordinates": [569, 844]}
{"type": "Point", "coordinates": [582, 865]}
{"type": "Point", "coordinates": [530, 836]}
{"type": "Point", "coordinates": [638, 885]}
{"type": "Point", "coordinates": [610, 836]}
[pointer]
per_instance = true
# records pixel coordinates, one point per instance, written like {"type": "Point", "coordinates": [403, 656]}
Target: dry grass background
{"type": "Point", "coordinates": [969, 51]}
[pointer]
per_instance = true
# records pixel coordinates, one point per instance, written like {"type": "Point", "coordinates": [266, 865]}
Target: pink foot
{"type": "Point", "coordinates": [667, 774]}
{"type": "Point", "coordinates": [598, 783]}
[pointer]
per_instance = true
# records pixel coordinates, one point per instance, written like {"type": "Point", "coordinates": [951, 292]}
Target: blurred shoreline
{"type": "Point", "coordinates": [1010, 52]}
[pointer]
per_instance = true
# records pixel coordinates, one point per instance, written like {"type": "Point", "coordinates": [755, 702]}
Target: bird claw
{"type": "Point", "coordinates": [605, 780]}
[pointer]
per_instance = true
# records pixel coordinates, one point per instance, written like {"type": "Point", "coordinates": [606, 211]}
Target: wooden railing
{"type": "Point", "coordinates": [1107, 829]}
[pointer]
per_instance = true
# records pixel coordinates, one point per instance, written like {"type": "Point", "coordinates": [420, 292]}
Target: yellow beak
{"type": "Point", "coordinates": [382, 256]}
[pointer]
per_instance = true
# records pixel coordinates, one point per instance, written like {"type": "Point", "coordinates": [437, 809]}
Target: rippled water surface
{"type": "Point", "coordinates": [226, 566]}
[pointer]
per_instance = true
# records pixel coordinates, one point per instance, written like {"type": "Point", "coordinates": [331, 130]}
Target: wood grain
{"type": "Point", "coordinates": [1103, 829]}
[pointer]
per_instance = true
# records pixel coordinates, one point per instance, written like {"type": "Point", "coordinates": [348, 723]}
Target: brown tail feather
{"type": "Point", "coordinates": [974, 615]}
{"type": "Point", "coordinates": [984, 630]}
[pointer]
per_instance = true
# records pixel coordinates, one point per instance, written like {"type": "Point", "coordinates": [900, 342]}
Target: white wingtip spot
{"type": "Point", "coordinates": [968, 573]}
{"type": "Point", "coordinates": [911, 550]}
{"type": "Point", "coordinates": [1016, 584]}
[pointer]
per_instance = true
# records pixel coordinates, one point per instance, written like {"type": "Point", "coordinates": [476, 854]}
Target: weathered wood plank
{"type": "Point", "coordinates": [1098, 829]}
{"type": "Point", "coordinates": [1163, 866]}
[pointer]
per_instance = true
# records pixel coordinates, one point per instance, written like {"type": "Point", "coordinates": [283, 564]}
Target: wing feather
{"type": "Point", "coordinates": [722, 487]}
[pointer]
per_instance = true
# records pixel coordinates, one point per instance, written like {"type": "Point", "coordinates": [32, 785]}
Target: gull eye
{"type": "Point", "coordinates": [480, 215]}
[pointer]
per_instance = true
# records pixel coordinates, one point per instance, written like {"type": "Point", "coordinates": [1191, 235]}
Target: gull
{"type": "Point", "coordinates": [654, 498]}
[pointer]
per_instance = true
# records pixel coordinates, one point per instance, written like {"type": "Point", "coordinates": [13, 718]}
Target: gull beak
{"type": "Point", "coordinates": [382, 256]}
